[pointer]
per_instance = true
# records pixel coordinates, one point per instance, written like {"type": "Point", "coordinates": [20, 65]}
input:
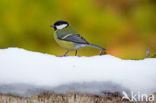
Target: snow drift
{"type": "Point", "coordinates": [25, 73]}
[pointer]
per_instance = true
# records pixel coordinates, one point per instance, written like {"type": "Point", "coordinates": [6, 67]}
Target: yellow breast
{"type": "Point", "coordinates": [64, 44]}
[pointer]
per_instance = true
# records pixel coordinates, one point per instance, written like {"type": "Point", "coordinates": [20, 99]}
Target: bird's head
{"type": "Point", "coordinates": [60, 25]}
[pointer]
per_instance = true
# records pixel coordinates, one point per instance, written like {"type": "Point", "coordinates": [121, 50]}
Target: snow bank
{"type": "Point", "coordinates": [25, 73]}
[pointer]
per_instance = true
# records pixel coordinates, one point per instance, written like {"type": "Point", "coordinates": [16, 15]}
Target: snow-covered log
{"type": "Point", "coordinates": [25, 73]}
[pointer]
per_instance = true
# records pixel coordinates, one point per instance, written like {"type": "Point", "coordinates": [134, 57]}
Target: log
{"type": "Point", "coordinates": [64, 98]}
{"type": "Point", "coordinates": [60, 98]}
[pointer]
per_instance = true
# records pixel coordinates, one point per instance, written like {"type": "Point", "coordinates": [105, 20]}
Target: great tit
{"type": "Point", "coordinates": [69, 39]}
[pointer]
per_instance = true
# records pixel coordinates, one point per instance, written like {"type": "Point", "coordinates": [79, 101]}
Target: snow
{"type": "Point", "coordinates": [25, 73]}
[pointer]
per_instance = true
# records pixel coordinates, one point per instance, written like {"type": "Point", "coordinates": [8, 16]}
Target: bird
{"type": "Point", "coordinates": [69, 39]}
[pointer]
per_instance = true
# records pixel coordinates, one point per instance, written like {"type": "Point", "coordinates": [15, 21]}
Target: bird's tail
{"type": "Point", "coordinates": [102, 50]}
{"type": "Point", "coordinates": [95, 46]}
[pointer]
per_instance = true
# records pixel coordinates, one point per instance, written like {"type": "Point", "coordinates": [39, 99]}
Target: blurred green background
{"type": "Point", "coordinates": [125, 27]}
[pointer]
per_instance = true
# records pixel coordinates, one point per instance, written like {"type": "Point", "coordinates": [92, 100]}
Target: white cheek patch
{"type": "Point", "coordinates": [61, 26]}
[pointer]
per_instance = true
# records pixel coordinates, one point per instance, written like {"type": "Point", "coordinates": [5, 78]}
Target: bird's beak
{"type": "Point", "coordinates": [52, 26]}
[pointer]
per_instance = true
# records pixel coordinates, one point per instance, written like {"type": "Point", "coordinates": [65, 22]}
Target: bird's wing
{"type": "Point", "coordinates": [76, 38]}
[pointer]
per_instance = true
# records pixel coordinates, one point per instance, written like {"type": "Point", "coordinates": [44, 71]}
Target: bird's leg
{"type": "Point", "coordinates": [76, 53]}
{"type": "Point", "coordinates": [66, 53]}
